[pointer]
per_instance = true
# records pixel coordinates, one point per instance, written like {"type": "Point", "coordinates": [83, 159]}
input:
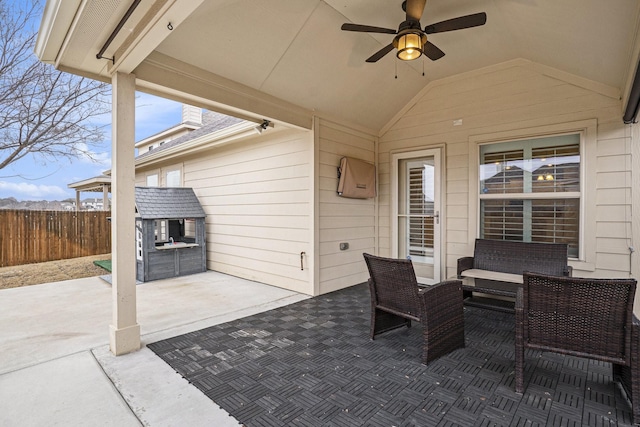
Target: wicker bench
{"type": "Point", "coordinates": [505, 261]}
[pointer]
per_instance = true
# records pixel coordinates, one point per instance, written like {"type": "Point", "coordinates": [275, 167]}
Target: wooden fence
{"type": "Point", "coordinates": [38, 236]}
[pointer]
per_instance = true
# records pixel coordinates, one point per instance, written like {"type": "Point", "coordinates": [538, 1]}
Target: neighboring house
{"type": "Point", "coordinates": [541, 87]}
{"type": "Point", "coordinates": [93, 205]}
{"type": "Point", "coordinates": [191, 120]}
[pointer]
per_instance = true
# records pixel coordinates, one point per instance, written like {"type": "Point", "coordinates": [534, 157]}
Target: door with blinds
{"type": "Point", "coordinates": [417, 212]}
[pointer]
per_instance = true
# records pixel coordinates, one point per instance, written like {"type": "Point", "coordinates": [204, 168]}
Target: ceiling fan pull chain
{"type": "Point", "coordinates": [422, 67]}
{"type": "Point", "coordinates": [396, 64]}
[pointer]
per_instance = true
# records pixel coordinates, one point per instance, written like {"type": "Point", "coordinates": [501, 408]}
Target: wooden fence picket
{"type": "Point", "coordinates": [38, 236]}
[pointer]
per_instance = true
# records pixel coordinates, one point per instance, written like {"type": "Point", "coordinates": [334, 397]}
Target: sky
{"type": "Point", "coordinates": [32, 179]}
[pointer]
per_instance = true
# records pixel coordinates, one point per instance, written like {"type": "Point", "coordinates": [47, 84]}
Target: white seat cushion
{"type": "Point", "coordinates": [492, 275]}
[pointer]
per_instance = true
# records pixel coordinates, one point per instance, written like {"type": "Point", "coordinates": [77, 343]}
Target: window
{"type": "Point", "coordinates": [161, 230]}
{"type": "Point", "coordinates": [530, 190]}
{"type": "Point", "coordinates": [139, 249]}
{"type": "Point", "coordinates": [173, 178]}
{"type": "Point", "coordinates": [420, 208]}
{"type": "Point", "coordinates": [152, 180]}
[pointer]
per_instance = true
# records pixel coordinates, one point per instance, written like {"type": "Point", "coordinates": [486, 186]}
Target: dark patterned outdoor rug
{"type": "Point", "coordinates": [312, 364]}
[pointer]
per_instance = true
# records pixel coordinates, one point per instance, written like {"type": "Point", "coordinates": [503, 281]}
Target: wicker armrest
{"type": "Point", "coordinates": [442, 319]}
{"type": "Point", "coordinates": [441, 301]}
{"type": "Point", "coordinates": [464, 263]}
{"type": "Point", "coordinates": [446, 290]}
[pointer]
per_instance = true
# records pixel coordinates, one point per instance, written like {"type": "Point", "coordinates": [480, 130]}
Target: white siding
{"type": "Point", "coordinates": [516, 95]}
{"type": "Point", "coordinates": [340, 219]}
{"type": "Point", "coordinates": [257, 195]}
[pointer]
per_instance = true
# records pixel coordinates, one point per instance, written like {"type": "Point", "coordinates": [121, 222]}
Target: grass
{"type": "Point", "coordinates": [106, 264]}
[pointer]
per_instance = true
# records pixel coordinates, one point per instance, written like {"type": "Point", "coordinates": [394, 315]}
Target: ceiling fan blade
{"type": "Point", "coordinates": [432, 51]}
{"type": "Point", "coordinates": [367, 29]}
{"type": "Point", "coordinates": [414, 9]}
{"type": "Point", "coordinates": [379, 54]}
{"type": "Point", "coordinates": [459, 23]}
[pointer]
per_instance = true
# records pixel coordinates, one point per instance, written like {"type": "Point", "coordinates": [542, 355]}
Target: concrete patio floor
{"type": "Point", "coordinates": [56, 368]}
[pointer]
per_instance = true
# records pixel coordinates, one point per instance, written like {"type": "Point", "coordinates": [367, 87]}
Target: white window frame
{"type": "Point", "coordinates": [588, 152]}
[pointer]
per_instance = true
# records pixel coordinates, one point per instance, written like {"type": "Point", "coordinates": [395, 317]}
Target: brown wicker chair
{"type": "Point", "coordinates": [396, 300]}
{"type": "Point", "coordinates": [590, 318]}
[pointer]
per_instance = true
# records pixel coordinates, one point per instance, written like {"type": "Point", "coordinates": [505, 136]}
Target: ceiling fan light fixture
{"type": "Point", "coordinates": [410, 45]}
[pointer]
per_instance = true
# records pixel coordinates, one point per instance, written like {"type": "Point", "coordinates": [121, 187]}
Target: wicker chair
{"type": "Point", "coordinates": [591, 318]}
{"type": "Point", "coordinates": [396, 300]}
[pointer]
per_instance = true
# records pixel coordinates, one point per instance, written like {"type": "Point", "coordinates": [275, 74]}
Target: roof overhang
{"type": "Point", "coordinates": [296, 63]}
{"type": "Point", "coordinates": [95, 184]}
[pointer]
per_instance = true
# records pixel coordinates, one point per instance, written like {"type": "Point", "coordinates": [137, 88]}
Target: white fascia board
{"type": "Point", "coordinates": [166, 133]}
{"type": "Point", "coordinates": [223, 136]}
{"type": "Point", "coordinates": [57, 19]}
{"type": "Point", "coordinates": [95, 181]}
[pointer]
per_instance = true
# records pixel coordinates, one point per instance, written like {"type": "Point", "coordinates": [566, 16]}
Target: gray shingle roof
{"type": "Point", "coordinates": [211, 122]}
{"type": "Point", "coordinates": [168, 203]}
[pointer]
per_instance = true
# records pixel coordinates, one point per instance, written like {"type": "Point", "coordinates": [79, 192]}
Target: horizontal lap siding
{"type": "Point", "coordinates": [340, 219]}
{"type": "Point", "coordinates": [257, 197]}
{"type": "Point", "coordinates": [510, 97]}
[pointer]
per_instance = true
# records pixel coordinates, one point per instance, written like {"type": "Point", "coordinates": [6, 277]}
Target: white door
{"type": "Point", "coordinates": [416, 212]}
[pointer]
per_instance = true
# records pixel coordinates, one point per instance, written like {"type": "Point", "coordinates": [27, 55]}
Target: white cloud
{"type": "Point", "coordinates": [86, 155]}
{"type": "Point", "coordinates": [26, 191]}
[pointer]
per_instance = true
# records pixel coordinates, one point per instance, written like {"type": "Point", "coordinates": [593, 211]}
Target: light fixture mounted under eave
{"type": "Point", "coordinates": [410, 44]}
{"type": "Point", "coordinates": [263, 126]}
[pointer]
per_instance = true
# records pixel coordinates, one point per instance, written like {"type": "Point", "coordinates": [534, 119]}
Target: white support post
{"type": "Point", "coordinates": [124, 332]}
{"type": "Point", "coordinates": [105, 197]}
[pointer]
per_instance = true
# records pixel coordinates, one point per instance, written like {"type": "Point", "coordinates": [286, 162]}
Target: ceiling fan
{"type": "Point", "coordinates": [411, 40]}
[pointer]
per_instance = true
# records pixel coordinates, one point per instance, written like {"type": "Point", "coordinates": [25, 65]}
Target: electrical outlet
{"type": "Point", "coordinates": [344, 246]}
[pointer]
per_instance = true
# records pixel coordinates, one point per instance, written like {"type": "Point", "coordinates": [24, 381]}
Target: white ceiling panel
{"type": "Point", "coordinates": [239, 40]}
{"type": "Point", "coordinates": [323, 71]}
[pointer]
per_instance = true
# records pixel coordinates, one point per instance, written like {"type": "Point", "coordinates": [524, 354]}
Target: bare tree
{"type": "Point", "coordinates": [43, 112]}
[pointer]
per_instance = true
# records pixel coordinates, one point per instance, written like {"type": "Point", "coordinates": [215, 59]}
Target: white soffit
{"type": "Point", "coordinates": [322, 71]}
{"type": "Point", "coordinates": [296, 52]}
{"type": "Point", "coordinates": [92, 27]}
{"type": "Point", "coordinates": [239, 40]}
{"type": "Point", "coordinates": [589, 38]}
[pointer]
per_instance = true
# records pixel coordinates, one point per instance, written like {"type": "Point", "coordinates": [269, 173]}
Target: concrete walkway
{"type": "Point", "coordinates": [56, 368]}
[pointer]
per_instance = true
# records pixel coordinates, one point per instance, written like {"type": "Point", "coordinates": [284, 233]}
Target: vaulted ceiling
{"type": "Point", "coordinates": [284, 59]}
